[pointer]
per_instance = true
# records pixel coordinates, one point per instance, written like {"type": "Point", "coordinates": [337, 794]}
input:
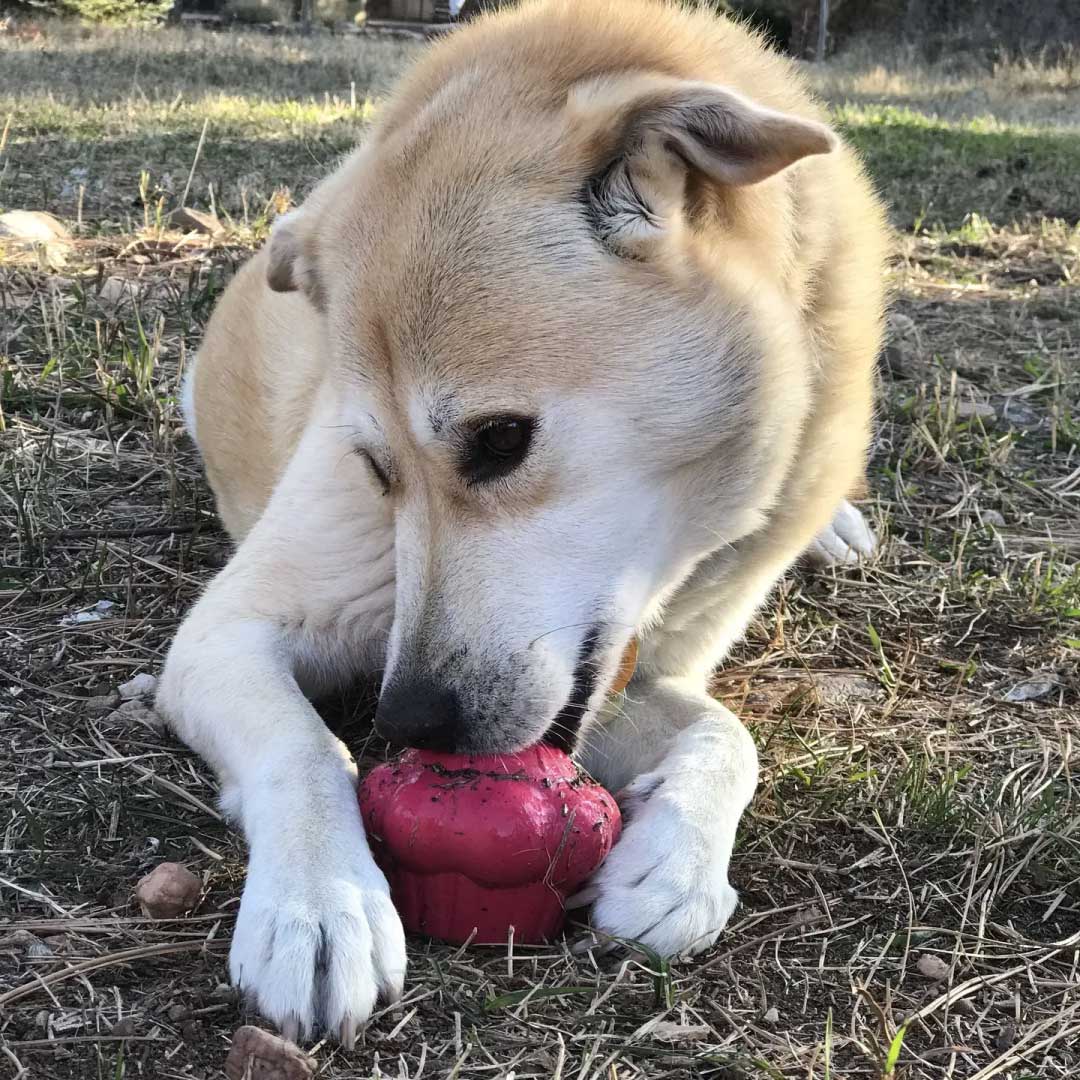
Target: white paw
{"type": "Point", "coordinates": [665, 882]}
{"type": "Point", "coordinates": [317, 940]}
{"type": "Point", "coordinates": [844, 541]}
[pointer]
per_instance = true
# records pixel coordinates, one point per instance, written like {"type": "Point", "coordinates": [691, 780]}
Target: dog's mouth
{"type": "Point", "coordinates": [562, 732]}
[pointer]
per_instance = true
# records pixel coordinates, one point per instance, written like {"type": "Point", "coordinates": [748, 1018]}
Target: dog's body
{"type": "Point", "coordinates": [578, 346]}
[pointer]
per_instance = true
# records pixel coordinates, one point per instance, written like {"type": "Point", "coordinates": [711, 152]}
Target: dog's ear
{"type": "Point", "coordinates": [650, 132]}
{"type": "Point", "coordinates": [291, 263]}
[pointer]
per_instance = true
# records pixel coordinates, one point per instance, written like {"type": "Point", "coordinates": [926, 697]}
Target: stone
{"type": "Point", "coordinates": [115, 291]}
{"type": "Point", "coordinates": [969, 410]}
{"type": "Point", "coordinates": [932, 967]}
{"type": "Point", "coordinates": [669, 1031]}
{"type": "Point", "coordinates": [169, 890]}
{"type": "Point", "coordinates": [257, 1055]}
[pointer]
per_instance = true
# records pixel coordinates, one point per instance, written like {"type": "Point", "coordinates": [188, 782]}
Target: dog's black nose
{"type": "Point", "coordinates": [419, 712]}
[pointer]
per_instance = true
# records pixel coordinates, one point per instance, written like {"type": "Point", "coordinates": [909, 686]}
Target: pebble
{"type": "Point", "coordinates": [932, 967]}
{"type": "Point", "coordinates": [170, 889]}
{"type": "Point", "coordinates": [257, 1055]}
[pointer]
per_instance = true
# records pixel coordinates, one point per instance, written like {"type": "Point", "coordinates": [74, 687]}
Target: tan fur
{"type": "Point", "coordinates": [818, 234]}
{"type": "Point", "coordinates": [627, 223]}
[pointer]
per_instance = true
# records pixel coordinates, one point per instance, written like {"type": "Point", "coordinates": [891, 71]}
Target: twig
{"type": "Point", "coordinates": [108, 960]}
{"type": "Point", "coordinates": [194, 162]}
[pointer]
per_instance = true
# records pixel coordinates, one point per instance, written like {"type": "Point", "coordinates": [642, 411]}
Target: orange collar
{"type": "Point", "coordinates": [626, 667]}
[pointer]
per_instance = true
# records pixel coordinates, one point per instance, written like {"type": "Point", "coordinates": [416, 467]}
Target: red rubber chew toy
{"type": "Point", "coordinates": [486, 842]}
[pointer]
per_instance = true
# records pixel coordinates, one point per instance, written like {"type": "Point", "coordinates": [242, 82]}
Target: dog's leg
{"type": "Point", "coordinates": [684, 764]}
{"type": "Point", "coordinates": [307, 599]}
{"type": "Point", "coordinates": [685, 769]}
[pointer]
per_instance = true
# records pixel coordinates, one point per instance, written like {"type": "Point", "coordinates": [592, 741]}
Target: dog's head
{"type": "Point", "coordinates": [569, 364]}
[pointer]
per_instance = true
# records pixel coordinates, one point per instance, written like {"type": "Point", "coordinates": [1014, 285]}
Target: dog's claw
{"type": "Point", "coordinates": [582, 898]}
{"type": "Point", "coordinates": [596, 945]}
{"type": "Point", "coordinates": [348, 1032]}
{"type": "Point", "coordinates": [290, 1029]}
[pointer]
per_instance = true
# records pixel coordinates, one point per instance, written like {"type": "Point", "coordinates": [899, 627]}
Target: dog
{"type": "Point", "coordinates": [576, 349]}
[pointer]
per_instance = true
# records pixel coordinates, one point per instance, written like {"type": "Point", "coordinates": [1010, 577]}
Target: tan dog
{"type": "Point", "coordinates": [577, 346]}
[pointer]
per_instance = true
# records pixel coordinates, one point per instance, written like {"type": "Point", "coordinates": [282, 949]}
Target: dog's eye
{"type": "Point", "coordinates": [497, 447]}
{"type": "Point", "coordinates": [378, 471]}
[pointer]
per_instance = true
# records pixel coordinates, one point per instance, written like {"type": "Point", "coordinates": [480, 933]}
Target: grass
{"type": "Point", "coordinates": [910, 870]}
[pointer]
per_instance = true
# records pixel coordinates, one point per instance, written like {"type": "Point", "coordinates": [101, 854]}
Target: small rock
{"type": "Point", "coordinates": [189, 220]}
{"type": "Point", "coordinates": [965, 1006]}
{"type": "Point", "coordinates": [898, 358]}
{"type": "Point", "coordinates": [225, 992]}
{"type": "Point", "coordinates": [257, 1055]}
{"type": "Point", "coordinates": [114, 291]}
{"type": "Point", "coordinates": [898, 325]}
{"type": "Point", "coordinates": [177, 1012]}
{"type": "Point", "coordinates": [1039, 686]}
{"type": "Point", "coordinates": [992, 517]}
{"type": "Point", "coordinates": [839, 689]}
{"type": "Point", "coordinates": [126, 1028]}
{"type": "Point", "coordinates": [170, 889]}
{"type": "Point", "coordinates": [143, 685]}
{"type": "Point", "coordinates": [932, 967]}
{"type": "Point", "coordinates": [967, 410]}
{"type": "Point", "coordinates": [772, 1016]}
{"type": "Point", "coordinates": [671, 1032]}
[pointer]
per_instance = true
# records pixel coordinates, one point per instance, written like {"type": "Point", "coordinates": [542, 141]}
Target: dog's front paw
{"type": "Point", "coordinates": [317, 944]}
{"type": "Point", "coordinates": [665, 882]}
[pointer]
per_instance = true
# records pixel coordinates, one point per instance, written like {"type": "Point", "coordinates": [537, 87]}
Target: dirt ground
{"type": "Point", "coordinates": [910, 870]}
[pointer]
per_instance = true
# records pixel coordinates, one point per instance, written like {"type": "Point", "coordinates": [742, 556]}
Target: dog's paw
{"type": "Point", "coordinates": [665, 882]}
{"type": "Point", "coordinates": [317, 945]}
{"type": "Point", "coordinates": [844, 541]}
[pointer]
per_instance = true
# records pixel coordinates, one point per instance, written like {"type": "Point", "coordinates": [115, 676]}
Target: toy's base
{"type": "Point", "coordinates": [451, 906]}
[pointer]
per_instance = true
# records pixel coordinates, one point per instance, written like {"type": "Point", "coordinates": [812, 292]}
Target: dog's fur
{"type": "Point", "coordinates": [627, 222]}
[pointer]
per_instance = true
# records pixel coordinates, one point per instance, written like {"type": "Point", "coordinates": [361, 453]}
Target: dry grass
{"type": "Point", "coordinates": [1013, 92]}
{"type": "Point", "coordinates": [910, 871]}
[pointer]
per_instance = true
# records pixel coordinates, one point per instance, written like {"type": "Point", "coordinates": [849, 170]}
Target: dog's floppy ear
{"type": "Point", "coordinates": [291, 261]}
{"type": "Point", "coordinates": [650, 131]}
